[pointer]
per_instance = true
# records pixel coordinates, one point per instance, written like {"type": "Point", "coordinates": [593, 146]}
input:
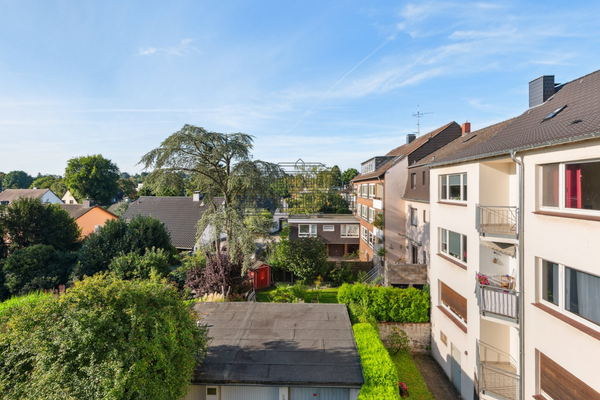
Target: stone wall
{"type": "Point", "coordinates": [418, 334]}
{"type": "Point", "coordinates": [405, 274]}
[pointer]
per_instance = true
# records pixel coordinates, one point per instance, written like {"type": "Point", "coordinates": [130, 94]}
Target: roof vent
{"type": "Point", "coordinates": [576, 121]}
{"type": "Point", "coordinates": [410, 137]}
{"type": "Point", "coordinates": [554, 113]}
{"type": "Point", "coordinates": [540, 90]}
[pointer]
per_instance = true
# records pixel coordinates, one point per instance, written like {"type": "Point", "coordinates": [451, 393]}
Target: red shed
{"type": "Point", "coordinates": [260, 273]}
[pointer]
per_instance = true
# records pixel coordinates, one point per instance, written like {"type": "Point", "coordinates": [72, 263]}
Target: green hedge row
{"type": "Point", "coordinates": [388, 304]}
{"type": "Point", "coordinates": [381, 378]}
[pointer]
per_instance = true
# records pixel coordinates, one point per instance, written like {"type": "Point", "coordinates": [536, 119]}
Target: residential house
{"type": "Point", "coordinates": [45, 195]}
{"type": "Point", "coordinates": [338, 231]}
{"type": "Point", "coordinates": [515, 221]}
{"type": "Point", "coordinates": [180, 215]}
{"type": "Point", "coordinates": [68, 198]}
{"type": "Point", "coordinates": [380, 204]}
{"type": "Point", "coordinates": [273, 351]}
{"type": "Point", "coordinates": [88, 216]}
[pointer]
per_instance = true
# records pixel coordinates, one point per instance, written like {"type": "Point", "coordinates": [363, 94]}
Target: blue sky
{"type": "Point", "coordinates": [329, 81]}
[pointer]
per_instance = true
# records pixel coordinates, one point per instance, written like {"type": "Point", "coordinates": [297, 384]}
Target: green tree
{"type": "Point", "coordinates": [105, 338]}
{"type": "Point", "coordinates": [44, 182]}
{"type": "Point", "coordinates": [336, 176]}
{"type": "Point", "coordinates": [218, 165]}
{"type": "Point", "coordinates": [92, 176]}
{"type": "Point", "coordinates": [29, 222]}
{"type": "Point", "coordinates": [37, 267]}
{"type": "Point", "coordinates": [348, 175]}
{"type": "Point", "coordinates": [118, 237]}
{"type": "Point", "coordinates": [17, 180]}
{"type": "Point", "coordinates": [154, 263]}
{"type": "Point", "coordinates": [127, 189]}
{"type": "Point", "coordinates": [306, 258]}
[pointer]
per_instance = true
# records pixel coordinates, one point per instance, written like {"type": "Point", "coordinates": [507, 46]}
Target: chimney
{"type": "Point", "coordinates": [197, 196]}
{"type": "Point", "coordinates": [87, 202]}
{"type": "Point", "coordinates": [410, 137]}
{"type": "Point", "coordinates": [466, 127]}
{"type": "Point", "coordinates": [540, 90]}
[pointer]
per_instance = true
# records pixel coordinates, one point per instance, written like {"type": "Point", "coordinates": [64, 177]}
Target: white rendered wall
{"type": "Point", "coordinates": [394, 213]}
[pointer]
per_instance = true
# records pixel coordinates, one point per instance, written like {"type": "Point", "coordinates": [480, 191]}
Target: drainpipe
{"type": "Point", "coordinates": [521, 273]}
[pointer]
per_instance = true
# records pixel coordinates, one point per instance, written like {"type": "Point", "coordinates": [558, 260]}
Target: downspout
{"type": "Point", "coordinates": [521, 274]}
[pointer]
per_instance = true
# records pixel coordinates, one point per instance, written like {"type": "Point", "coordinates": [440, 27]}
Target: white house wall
{"type": "Point", "coordinates": [394, 213]}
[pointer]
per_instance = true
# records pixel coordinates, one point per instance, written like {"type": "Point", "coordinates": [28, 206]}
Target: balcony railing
{"type": "Point", "coordinates": [498, 376]}
{"type": "Point", "coordinates": [498, 302]}
{"type": "Point", "coordinates": [497, 221]}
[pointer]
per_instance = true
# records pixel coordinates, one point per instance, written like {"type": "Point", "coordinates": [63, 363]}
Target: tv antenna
{"type": "Point", "coordinates": [419, 114]}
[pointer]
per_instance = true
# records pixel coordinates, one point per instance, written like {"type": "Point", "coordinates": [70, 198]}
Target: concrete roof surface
{"type": "Point", "coordinates": [279, 344]}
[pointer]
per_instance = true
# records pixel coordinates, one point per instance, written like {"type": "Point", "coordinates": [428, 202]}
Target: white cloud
{"type": "Point", "coordinates": [183, 48]}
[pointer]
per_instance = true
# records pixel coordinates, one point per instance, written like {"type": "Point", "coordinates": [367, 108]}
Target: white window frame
{"type": "Point", "coordinates": [364, 234]}
{"type": "Point", "coordinates": [328, 228]}
{"type": "Point", "coordinates": [463, 176]}
{"type": "Point", "coordinates": [371, 239]}
{"type": "Point", "coordinates": [345, 231]}
{"type": "Point", "coordinates": [444, 237]}
{"type": "Point", "coordinates": [364, 212]}
{"type": "Point", "coordinates": [414, 216]}
{"type": "Point", "coordinates": [365, 191]}
{"type": "Point", "coordinates": [562, 189]}
{"type": "Point", "coordinates": [562, 293]}
{"type": "Point", "coordinates": [371, 190]}
{"type": "Point", "coordinates": [312, 230]}
{"type": "Point", "coordinates": [371, 215]}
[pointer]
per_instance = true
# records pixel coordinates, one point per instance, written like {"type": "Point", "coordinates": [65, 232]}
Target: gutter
{"type": "Point", "coordinates": [521, 390]}
{"type": "Point", "coordinates": [588, 136]}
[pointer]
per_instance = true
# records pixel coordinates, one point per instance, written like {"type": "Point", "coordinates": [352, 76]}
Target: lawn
{"type": "Point", "coordinates": [324, 295]}
{"type": "Point", "coordinates": [409, 374]}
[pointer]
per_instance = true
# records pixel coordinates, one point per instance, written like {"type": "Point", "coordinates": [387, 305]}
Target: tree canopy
{"type": "Point", "coordinates": [104, 338]}
{"type": "Point", "coordinates": [348, 175]}
{"type": "Point", "coordinates": [30, 222]}
{"type": "Point", "coordinates": [17, 180]}
{"type": "Point", "coordinates": [94, 177]}
{"type": "Point", "coordinates": [218, 164]}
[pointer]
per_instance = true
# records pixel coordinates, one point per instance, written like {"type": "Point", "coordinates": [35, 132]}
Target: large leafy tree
{"type": "Point", "coordinates": [92, 176]}
{"type": "Point", "coordinates": [29, 222]}
{"type": "Point", "coordinates": [105, 338]}
{"type": "Point", "coordinates": [219, 164]}
{"type": "Point", "coordinates": [52, 182]}
{"type": "Point", "coordinates": [348, 175]}
{"type": "Point", "coordinates": [17, 180]}
{"type": "Point", "coordinates": [306, 258]}
{"type": "Point", "coordinates": [336, 175]}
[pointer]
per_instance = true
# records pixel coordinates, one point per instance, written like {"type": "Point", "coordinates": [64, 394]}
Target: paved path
{"type": "Point", "coordinates": [437, 382]}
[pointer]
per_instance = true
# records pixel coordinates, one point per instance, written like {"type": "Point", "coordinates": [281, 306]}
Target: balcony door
{"type": "Point", "coordinates": [456, 370]}
{"type": "Point", "coordinates": [415, 254]}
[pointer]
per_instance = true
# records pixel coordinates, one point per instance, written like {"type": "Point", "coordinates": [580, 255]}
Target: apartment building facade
{"type": "Point", "coordinates": [515, 218]}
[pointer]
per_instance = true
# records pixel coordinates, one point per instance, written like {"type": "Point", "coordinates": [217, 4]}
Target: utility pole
{"type": "Point", "coordinates": [419, 114]}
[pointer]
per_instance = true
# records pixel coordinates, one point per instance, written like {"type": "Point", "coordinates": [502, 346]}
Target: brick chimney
{"type": "Point", "coordinates": [88, 202]}
{"type": "Point", "coordinates": [466, 128]}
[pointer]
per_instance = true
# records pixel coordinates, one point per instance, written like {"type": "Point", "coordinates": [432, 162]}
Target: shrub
{"type": "Point", "coordinates": [381, 378]}
{"type": "Point", "coordinates": [104, 338]}
{"type": "Point", "coordinates": [306, 258]}
{"type": "Point", "coordinates": [341, 274]}
{"type": "Point", "coordinates": [155, 263]}
{"type": "Point", "coordinates": [398, 341]}
{"type": "Point", "coordinates": [388, 304]}
{"type": "Point", "coordinates": [219, 274]}
{"type": "Point", "coordinates": [289, 294]}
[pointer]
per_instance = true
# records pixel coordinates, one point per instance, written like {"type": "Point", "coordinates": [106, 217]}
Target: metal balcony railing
{"type": "Point", "coordinates": [373, 276]}
{"type": "Point", "coordinates": [498, 302]}
{"type": "Point", "coordinates": [498, 376]}
{"type": "Point", "coordinates": [498, 221]}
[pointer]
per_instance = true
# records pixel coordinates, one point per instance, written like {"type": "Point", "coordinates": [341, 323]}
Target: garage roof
{"type": "Point", "coordinates": [279, 344]}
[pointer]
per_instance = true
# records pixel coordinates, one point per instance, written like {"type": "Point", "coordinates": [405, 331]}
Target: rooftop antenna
{"type": "Point", "coordinates": [419, 114]}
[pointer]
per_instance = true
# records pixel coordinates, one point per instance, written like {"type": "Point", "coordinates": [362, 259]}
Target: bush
{"type": "Point", "coordinates": [341, 274]}
{"type": "Point", "coordinates": [104, 338]}
{"type": "Point", "coordinates": [306, 258]}
{"type": "Point", "coordinates": [219, 274]}
{"type": "Point", "coordinates": [388, 304]}
{"type": "Point", "coordinates": [289, 294]}
{"type": "Point", "coordinates": [398, 341]}
{"type": "Point", "coordinates": [37, 267]}
{"type": "Point", "coordinates": [381, 378]}
{"type": "Point", "coordinates": [155, 263]}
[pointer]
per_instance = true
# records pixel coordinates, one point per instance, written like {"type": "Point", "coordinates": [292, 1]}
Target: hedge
{"type": "Point", "coordinates": [381, 378]}
{"type": "Point", "coordinates": [388, 304]}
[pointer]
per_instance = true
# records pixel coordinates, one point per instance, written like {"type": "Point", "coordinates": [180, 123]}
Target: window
{"type": "Point", "coordinates": [4, 202]}
{"type": "Point", "coordinates": [364, 234]}
{"type": "Point", "coordinates": [328, 228]}
{"type": "Point", "coordinates": [371, 214]}
{"type": "Point", "coordinates": [413, 181]}
{"type": "Point", "coordinates": [305, 230]}
{"type": "Point", "coordinates": [211, 391]}
{"type": "Point", "coordinates": [453, 244]}
{"type": "Point", "coordinates": [349, 230]}
{"type": "Point", "coordinates": [580, 183]}
{"type": "Point", "coordinates": [443, 338]}
{"type": "Point", "coordinates": [414, 219]}
{"type": "Point", "coordinates": [571, 290]}
{"type": "Point", "coordinates": [359, 190]}
{"type": "Point", "coordinates": [365, 190]}
{"type": "Point", "coordinates": [453, 187]}
{"type": "Point", "coordinates": [371, 239]}
{"type": "Point", "coordinates": [365, 212]}
{"type": "Point", "coordinates": [414, 254]}
{"type": "Point", "coordinates": [424, 176]}
{"type": "Point", "coordinates": [371, 190]}
{"type": "Point", "coordinates": [424, 216]}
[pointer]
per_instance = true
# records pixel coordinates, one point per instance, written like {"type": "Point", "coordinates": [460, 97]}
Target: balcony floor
{"type": "Point", "coordinates": [497, 384]}
{"type": "Point", "coordinates": [499, 229]}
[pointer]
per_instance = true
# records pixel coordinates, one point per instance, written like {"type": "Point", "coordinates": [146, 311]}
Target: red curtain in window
{"type": "Point", "coordinates": [573, 186]}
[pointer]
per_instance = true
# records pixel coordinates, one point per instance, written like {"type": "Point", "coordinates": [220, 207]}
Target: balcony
{"type": "Point", "coordinates": [497, 297]}
{"type": "Point", "coordinates": [498, 377]}
{"type": "Point", "coordinates": [498, 221]}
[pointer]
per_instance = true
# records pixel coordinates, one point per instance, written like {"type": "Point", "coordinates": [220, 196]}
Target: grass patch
{"type": "Point", "coordinates": [324, 295]}
{"type": "Point", "coordinates": [410, 375]}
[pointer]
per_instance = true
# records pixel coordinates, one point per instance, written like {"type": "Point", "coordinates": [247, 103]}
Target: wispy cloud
{"type": "Point", "coordinates": [183, 48]}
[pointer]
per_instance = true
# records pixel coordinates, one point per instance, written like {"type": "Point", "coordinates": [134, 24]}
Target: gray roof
{"type": "Point", "coordinates": [78, 210]}
{"type": "Point", "coordinates": [179, 214]}
{"type": "Point", "coordinates": [279, 344]}
{"type": "Point", "coordinates": [14, 194]}
{"type": "Point", "coordinates": [580, 119]}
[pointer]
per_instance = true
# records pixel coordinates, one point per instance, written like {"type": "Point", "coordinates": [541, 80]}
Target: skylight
{"type": "Point", "coordinates": [554, 113]}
